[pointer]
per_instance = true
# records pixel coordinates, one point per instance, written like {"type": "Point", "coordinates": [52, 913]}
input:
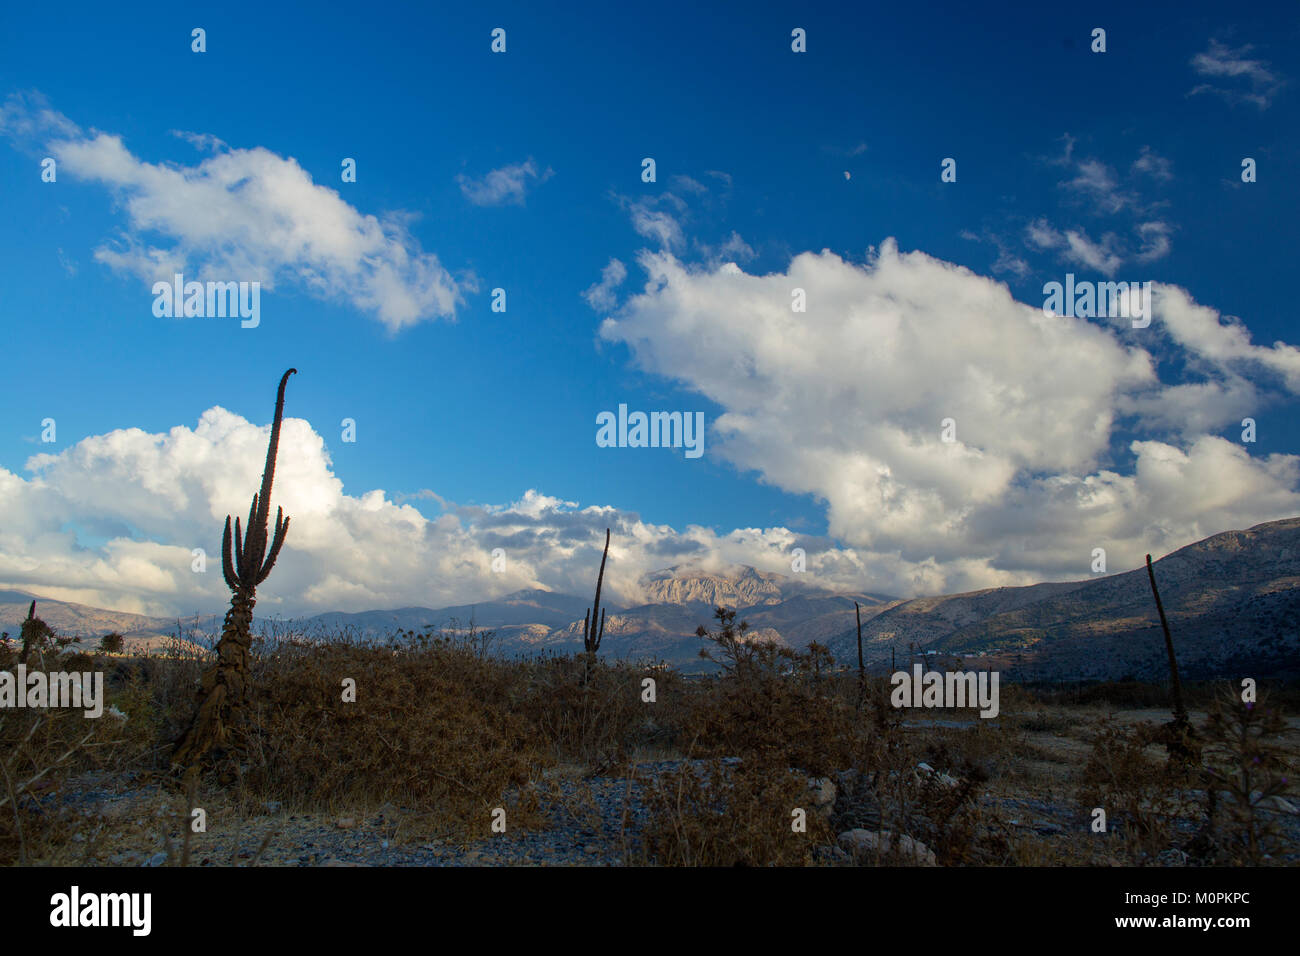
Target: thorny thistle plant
{"type": "Point", "coordinates": [246, 563]}
{"type": "Point", "coordinates": [736, 655]}
{"type": "Point", "coordinates": [40, 642]}
{"type": "Point", "coordinates": [35, 634]}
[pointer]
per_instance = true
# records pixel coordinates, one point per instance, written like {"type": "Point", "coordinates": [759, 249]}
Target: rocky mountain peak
{"type": "Point", "coordinates": [739, 587]}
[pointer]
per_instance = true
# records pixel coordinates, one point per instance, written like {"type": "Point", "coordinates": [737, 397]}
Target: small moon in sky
{"type": "Point", "coordinates": [846, 174]}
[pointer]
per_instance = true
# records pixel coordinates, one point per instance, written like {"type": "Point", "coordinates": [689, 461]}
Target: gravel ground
{"type": "Point", "coordinates": [594, 821]}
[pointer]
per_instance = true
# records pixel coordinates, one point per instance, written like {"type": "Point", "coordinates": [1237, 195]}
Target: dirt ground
{"type": "Point", "coordinates": [1035, 758]}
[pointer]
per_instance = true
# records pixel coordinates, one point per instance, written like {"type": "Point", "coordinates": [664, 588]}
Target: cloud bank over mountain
{"type": "Point", "coordinates": [1066, 437]}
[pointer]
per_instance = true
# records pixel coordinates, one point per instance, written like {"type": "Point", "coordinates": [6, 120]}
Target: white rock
{"type": "Point", "coordinates": [822, 790]}
{"type": "Point", "coordinates": [871, 842]}
{"type": "Point", "coordinates": [926, 772]}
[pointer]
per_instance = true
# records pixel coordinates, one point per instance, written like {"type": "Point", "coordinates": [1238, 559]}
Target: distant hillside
{"type": "Point", "coordinates": [1233, 603]}
{"type": "Point", "coordinates": [521, 608]}
{"type": "Point", "coordinates": [141, 634]}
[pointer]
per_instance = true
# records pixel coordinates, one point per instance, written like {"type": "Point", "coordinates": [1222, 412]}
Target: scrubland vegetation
{"type": "Point", "coordinates": [441, 733]}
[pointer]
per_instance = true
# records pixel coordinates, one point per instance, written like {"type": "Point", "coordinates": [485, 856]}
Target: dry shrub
{"type": "Point", "coordinates": [771, 706]}
{"type": "Point", "coordinates": [972, 751]}
{"type": "Point", "coordinates": [773, 724]}
{"type": "Point", "coordinates": [157, 694]}
{"type": "Point", "coordinates": [780, 710]}
{"type": "Point", "coordinates": [729, 814]}
{"type": "Point", "coordinates": [952, 823]}
{"type": "Point", "coordinates": [589, 714]}
{"type": "Point", "coordinates": [1228, 808]}
{"type": "Point", "coordinates": [39, 751]}
{"type": "Point", "coordinates": [1144, 798]}
{"type": "Point", "coordinates": [1041, 721]}
{"type": "Point", "coordinates": [884, 789]}
{"type": "Point", "coordinates": [430, 730]}
{"type": "Point", "coordinates": [1247, 771]}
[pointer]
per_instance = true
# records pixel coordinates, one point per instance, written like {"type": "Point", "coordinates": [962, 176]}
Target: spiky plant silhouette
{"type": "Point", "coordinates": [862, 671]}
{"type": "Point", "coordinates": [590, 635]}
{"type": "Point", "coordinates": [1179, 736]}
{"type": "Point", "coordinates": [29, 632]}
{"type": "Point", "coordinates": [224, 689]}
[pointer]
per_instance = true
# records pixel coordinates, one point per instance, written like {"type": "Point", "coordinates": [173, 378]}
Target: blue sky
{"type": "Point", "coordinates": [1121, 165]}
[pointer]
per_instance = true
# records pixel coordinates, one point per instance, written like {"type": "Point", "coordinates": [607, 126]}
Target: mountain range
{"type": "Point", "coordinates": [1232, 600]}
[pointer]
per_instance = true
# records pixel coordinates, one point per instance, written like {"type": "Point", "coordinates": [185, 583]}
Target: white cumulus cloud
{"type": "Point", "coordinates": [245, 215]}
{"type": "Point", "coordinates": [845, 403]}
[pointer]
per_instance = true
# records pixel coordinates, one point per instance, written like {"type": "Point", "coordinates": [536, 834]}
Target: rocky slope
{"type": "Point", "coordinates": [1233, 603]}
